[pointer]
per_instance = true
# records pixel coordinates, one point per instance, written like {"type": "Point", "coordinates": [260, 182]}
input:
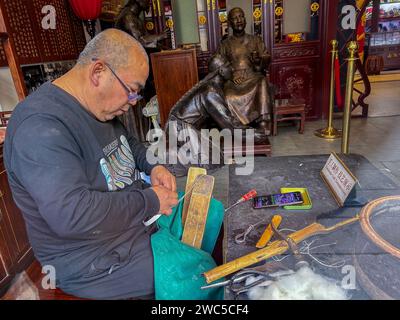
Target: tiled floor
{"type": "Point", "coordinates": [378, 139]}
{"type": "Point", "coordinates": [384, 99]}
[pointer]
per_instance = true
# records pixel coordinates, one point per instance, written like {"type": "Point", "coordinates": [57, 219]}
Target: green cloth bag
{"type": "Point", "coordinates": [178, 267]}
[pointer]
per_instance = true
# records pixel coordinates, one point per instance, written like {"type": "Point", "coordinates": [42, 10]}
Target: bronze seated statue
{"type": "Point", "coordinates": [248, 94]}
{"type": "Point", "coordinates": [203, 107]}
{"type": "Point", "coordinates": [129, 21]}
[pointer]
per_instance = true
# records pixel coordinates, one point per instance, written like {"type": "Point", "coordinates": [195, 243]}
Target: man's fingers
{"type": "Point", "coordinates": [173, 180]}
{"type": "Point", "coordinates": [174, 201]}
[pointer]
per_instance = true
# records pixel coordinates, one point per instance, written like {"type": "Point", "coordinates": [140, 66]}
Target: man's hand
{"type": "Point", "coordinates": [160, 176]}
{"type": "Point", "coordinates": [168, 199]}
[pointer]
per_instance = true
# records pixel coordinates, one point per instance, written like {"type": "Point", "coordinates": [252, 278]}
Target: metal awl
{"type": "Point", "coordinates": [249, 195]}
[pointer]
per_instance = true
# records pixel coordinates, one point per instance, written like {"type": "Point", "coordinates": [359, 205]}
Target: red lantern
{"type": "Point", "coordinates": [88, 11]}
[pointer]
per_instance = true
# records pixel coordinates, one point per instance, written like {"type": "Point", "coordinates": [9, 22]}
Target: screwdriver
{"type": "Point", "coordinates": [249, 195]}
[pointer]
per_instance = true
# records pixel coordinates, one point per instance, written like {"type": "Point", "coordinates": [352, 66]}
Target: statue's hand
{"type": "Point", "coordinates": [255, 58]}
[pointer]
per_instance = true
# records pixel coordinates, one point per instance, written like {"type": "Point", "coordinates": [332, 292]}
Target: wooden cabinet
{"type": "Point", "coordinates": [175, 72]}
{"type": "Point", "coordinates": [15, 251]}
{"type": "Point", "coordinates": [5, 257]}
{"type": "Point", "coordinates": [295, 74]}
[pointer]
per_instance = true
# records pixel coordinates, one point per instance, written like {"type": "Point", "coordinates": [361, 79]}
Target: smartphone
{"type": "Point", "coordinates": [277, 200]}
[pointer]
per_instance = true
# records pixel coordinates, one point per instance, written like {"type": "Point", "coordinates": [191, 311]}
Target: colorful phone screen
{"type": "Point", "coordinates": [287, 198]}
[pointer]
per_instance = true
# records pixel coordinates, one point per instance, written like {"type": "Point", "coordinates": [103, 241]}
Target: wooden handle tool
{"type": "Point", "coordinates": [268, 233]}
{"type": "Point", "coordinates": [275, 248]}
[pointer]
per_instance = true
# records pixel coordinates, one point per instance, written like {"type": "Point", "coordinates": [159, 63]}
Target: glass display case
{"type": "Point", "coordinates": [384, 38]}
{"type": "Point", "coordinates": [389, 16]}
{"type": "Point", "coordinates": [386, 45]}
{"type": "Point", "coordinates": [386, 41]}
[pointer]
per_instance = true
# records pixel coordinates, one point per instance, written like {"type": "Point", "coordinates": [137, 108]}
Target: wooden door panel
{"type": "Point", "coordinates": [6, 259]}
{"type": "Point", "coordinates": [7, 262]}
{"type": "Point", "coordinates": [14, 215]}
{"type": "Point", "coordinates": [175, 72]}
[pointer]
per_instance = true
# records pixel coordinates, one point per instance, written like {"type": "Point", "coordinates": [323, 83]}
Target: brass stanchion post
{"type": "Point", "coordinates": [352, 47]}
{"type": "Point", "coordinates": [330, 132]}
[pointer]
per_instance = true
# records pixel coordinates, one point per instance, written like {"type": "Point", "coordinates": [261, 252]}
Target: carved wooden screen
{"type": "Point", "coordinates": [77, 29]}
{"type": "Point", "coordinates": [20, 28]}
{"type": "Point", "coordinates": [46, 38]}
{"type": "Point", "coordinates": [58, 43]}
{"type": "Point", "coordinates": [65, 37]}
{"type": "Point", "coordinates": [35, 44]}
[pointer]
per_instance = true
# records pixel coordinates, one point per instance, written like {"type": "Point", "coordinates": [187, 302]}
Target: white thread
{"type": "Point", "coordinates": [305, 249]}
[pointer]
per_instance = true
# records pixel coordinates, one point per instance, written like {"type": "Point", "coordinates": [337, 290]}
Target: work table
{"type": "Point", "coordinates": [271, 174]}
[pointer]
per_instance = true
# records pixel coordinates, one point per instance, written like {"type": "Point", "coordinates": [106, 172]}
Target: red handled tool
{"type": "Point", "coordinates": [248, 196]}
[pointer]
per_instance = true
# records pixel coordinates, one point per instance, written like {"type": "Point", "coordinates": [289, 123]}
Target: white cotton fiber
{"type": "Point", "coordinates": [305, 284]}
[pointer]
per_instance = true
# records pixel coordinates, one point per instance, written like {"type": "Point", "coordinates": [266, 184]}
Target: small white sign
{"type": "Point", "coordinates": [338, 178]}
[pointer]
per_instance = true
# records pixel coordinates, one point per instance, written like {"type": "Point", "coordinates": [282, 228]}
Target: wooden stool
{"type": "Point", "coordinates": [288, 109]}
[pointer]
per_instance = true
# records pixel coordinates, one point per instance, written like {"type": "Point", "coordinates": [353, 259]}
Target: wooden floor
{"type": "Point", "coordinates": [29, 287]}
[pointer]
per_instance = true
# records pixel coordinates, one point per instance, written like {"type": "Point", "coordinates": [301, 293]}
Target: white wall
{"type": "Point", "coordinates": [8, 94]}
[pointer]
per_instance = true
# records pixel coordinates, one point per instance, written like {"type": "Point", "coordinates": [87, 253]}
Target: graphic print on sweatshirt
{"type": "Point", "coordinates": [118, 166]}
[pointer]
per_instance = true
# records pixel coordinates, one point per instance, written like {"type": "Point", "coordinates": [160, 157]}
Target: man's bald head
{"type": "Point", "coordinates": [116, 47]}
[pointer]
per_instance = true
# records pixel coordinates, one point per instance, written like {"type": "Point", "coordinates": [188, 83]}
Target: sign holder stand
{"type": "Point", "coordinates": [354, 198]}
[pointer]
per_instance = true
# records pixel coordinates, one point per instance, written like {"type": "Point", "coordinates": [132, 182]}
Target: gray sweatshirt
{"type": "Point", "coordinates": [76, 182]}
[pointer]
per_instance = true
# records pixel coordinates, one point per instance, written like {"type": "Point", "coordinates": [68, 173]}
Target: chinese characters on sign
{"type": "Point", "coordinates": [338, 177]}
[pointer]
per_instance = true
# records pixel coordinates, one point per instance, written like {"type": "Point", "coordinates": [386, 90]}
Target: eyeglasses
{"type": "Point", "coordinates": [132, 96]}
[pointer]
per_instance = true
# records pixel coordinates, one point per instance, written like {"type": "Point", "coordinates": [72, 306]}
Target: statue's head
{"type": "Point", "coordinates": [237, 19]}
{"type": "Point", "coordinates": [219, 64]}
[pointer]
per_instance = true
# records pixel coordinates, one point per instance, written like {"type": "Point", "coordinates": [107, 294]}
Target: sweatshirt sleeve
{"type": "Point", "coordinates": [47, 162]}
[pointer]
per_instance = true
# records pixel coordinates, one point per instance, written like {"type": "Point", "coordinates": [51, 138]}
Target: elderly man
{"type": "Point", "coordinates": [247, 94]}
{"type": "Point", "coordinates": [74, 173]}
